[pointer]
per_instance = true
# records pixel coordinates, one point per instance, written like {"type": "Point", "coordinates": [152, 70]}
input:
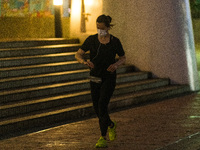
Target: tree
{"type": "Point", "coordinates": [195, 8]}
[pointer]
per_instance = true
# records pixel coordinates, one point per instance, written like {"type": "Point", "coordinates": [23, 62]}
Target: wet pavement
{"type": "Point", "coordinates": [168, 124]}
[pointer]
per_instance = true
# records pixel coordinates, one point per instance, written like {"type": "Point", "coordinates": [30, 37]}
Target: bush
{"type": "Point", "coordinates": [195, 8]}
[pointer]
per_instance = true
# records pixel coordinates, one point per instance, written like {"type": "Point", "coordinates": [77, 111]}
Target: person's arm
{"type": "Point", "coordinates": [121, 61]}
{"type": "Point", "coordinates": [80, 58]}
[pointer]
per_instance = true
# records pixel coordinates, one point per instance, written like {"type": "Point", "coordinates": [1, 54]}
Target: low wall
{"type": "Point", "coordinates": [33, 27]}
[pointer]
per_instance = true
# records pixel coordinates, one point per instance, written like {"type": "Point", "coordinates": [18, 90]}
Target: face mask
{"type": "Point", "coordinates": [102, 32]}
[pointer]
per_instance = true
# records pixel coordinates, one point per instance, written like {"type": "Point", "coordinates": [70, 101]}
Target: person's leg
{"type": "Point", "coordinates": [95, 94]}
{"type": "Point", "coordinates": [107, 89]}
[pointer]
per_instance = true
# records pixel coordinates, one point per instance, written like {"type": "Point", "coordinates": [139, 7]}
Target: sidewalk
{"type": "Point", "coordinates": [147, 127]}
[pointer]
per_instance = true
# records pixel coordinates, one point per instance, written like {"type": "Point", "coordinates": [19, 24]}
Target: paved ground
{"type": "Point", "coordinates": [147, 127]}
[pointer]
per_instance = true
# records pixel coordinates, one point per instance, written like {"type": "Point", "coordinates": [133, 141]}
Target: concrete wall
{"type": "Point", "coordinates": [157, 37]}
{"type": "Point", "coordinates": [33, 27]}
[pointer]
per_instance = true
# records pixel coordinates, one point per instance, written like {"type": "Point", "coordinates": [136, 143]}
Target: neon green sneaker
{"type": "Point", "coordinates": [112, 132]}
{"type": "Point", "coordinates": [102, 143]}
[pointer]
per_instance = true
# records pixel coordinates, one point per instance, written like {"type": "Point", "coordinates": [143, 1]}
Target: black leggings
{"type": "Point", "coordinates": [101, 94]}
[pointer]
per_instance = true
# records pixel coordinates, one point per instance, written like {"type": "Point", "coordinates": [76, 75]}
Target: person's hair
{"type": "Point", "coordinates": [106, 20]}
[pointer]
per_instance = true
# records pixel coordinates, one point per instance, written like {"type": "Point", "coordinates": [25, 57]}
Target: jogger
{"type": "Point", "coordinates": [103, 49]}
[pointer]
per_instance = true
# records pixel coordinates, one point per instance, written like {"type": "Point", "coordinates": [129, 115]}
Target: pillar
{"type": "Point", "coordinates": [157, 36]}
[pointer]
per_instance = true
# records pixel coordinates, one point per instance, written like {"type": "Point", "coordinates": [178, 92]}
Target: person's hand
{"type": "Point", "coordinates": [112, 68]}
{"type": "Point", "coordinates": [89, 64]}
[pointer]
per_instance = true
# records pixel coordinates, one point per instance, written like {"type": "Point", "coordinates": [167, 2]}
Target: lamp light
{"type": "Point", "coordinates": [58, 2]}
{"type": "Point", "coordinates": [58, 23]}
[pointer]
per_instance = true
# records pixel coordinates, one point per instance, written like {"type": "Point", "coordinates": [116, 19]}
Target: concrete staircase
{"type": "Point", "coordinates": [42, 84]}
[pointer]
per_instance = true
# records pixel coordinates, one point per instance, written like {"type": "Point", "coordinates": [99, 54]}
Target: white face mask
{"type": "Point", "coordinates": [102, 32]}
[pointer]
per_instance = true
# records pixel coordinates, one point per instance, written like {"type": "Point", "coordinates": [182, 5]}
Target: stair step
{"type": "Point", "coordinates": [74, 98]}
{"type": "Point", "coordinates": [44, 90]}
{"type": "Point", "coordinates": [64, 76]}
{"type": "Point", "coordinates": [151, 95]}
{"type": "Point", "coordinates": [13, 43]}
{"type": "Point", "coordinates": [40, 69]}
{"type": "Point", "coordinates": [132, 87]}
{"type": "Point", "coordinates": [66, 100]}
{"type": "Point", "coordinates": [32, 51]}
{"type": "Point", "coordinates": [37, 59]}
{"type": "Point", "coordinates": [50, 68]}
{"type": "Point", "coordinates": [86, 110]}
{"type": "Point", "coordinates": [32, 80]}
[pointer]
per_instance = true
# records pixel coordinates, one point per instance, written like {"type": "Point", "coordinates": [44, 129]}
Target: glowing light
{"type": "Point", "coordinates": [88, 2]}
{"type": "Point", "coordinates": [58, 2]}
{"type": "Point", "coordinates": [75, 18]}
{"type": "Point", "coordinates": [76, 7]}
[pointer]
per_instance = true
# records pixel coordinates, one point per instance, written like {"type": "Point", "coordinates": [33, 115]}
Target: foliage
{"type": "Point", "coordinates": [195, 8]}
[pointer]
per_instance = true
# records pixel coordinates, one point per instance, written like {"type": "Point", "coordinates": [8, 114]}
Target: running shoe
{"type": "Point", "coordinates": [102, 143]}
{"type": "Point", "coordinates": [112, 132]}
